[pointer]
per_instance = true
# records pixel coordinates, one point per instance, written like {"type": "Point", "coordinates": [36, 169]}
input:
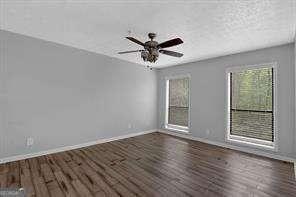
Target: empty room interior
{"type": "Point", "coordinates": [127, 98]}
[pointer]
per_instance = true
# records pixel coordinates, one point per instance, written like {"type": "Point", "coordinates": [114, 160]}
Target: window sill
{"type": "Point", "coordinates": [177, 128]}
{"type": "Point", "coordinates": [250, 142]}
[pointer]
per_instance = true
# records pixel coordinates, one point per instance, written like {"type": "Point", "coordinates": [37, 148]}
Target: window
{"type": "Point", "coordinates": [251, 104]}
{"type": "Point", "coordinates": [177, 105]}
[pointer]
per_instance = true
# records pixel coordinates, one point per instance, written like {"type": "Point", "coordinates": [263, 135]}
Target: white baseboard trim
{"type": "Point", "coordinates": [230, 146]}
{"type": "Point", "coordinates": [66, 148]}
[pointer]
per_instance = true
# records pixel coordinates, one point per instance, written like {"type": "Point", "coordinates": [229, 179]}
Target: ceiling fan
{"type": "Point", "coordinates": [152, 48]}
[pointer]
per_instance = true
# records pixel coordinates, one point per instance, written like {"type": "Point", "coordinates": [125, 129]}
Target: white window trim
{"type": "Point", "coordinates": [252, 142]}
{"type": "Point", "coordinates": [172, 127]}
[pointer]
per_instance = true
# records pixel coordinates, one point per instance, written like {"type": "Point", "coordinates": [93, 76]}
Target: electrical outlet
{"type": "Point", "coordinates": [208, 132]}
{"type": "Point", "coordinates": [30, 141]}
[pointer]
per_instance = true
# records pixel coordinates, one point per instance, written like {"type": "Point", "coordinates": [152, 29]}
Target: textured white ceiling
{"type": "Point", "coordinates": [208, 28]}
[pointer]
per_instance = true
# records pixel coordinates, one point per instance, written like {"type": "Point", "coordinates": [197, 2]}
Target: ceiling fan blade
{"type": "Point", "coordinates": [123, 52]}
{"type": "Point", "coordinates": [171, 53]}
{"type": "Point", "coordinates": [135, 40]}
{"type": "Point", "coordinates": [170, 43]}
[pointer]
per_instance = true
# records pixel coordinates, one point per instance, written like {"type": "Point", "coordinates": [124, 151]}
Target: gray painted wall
{"type": "Point", "coordinates": [65, 96]}
{"type": "Point", "coordinates": [208, 93]}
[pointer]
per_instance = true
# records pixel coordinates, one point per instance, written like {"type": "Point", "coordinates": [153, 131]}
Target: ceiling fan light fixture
{"type": "Point", "coordinates": [144, 55]}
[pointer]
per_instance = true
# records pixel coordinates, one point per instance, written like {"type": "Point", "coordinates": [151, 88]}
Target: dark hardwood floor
{"type": "Point", "coordinates": [150, 165]}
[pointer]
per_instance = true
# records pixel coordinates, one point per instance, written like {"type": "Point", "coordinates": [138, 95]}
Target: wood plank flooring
{"type": "Point", "coordinates": [150, 165]}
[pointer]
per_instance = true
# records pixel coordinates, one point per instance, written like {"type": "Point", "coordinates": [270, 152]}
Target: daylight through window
{"type": "Point", "coordinates": [178, 102]}
{"type": "Point", "coordinates": [252, 104]}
